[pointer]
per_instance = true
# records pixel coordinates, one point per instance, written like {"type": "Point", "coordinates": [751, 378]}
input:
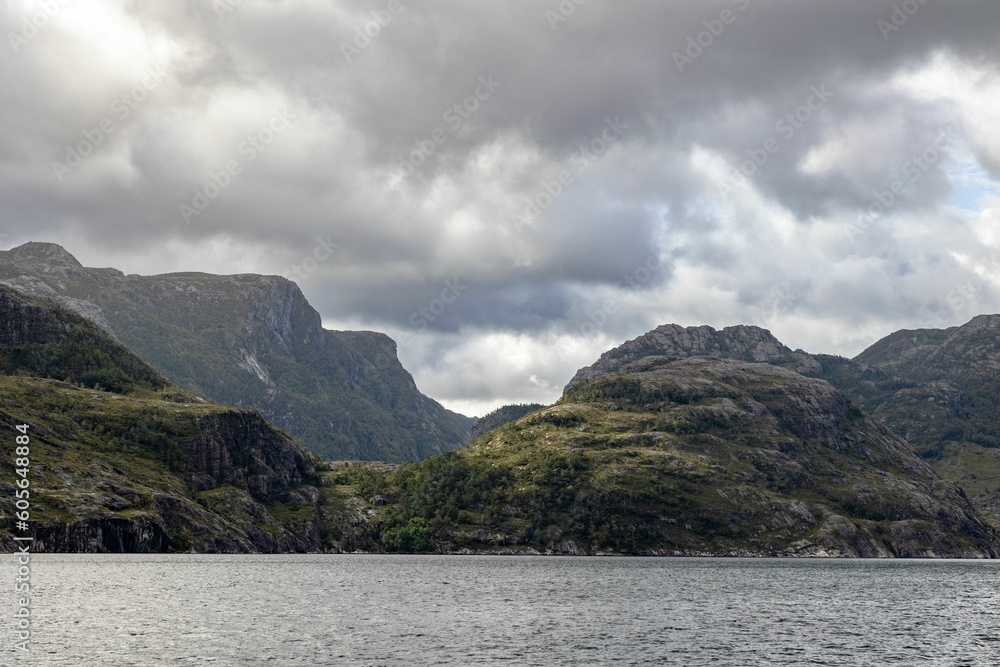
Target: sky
{"type": "Point", "coordinates": [509, 189]}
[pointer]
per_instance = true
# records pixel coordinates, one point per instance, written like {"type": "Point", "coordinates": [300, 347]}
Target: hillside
{"type": "Point", "coordinates": [121, 460]}
{"type": "Point", "coordinates": [672, 456]}
{"type": "Point", "coordinates": [253, 341]}
{"type": "Point", "coordinates": [694, 456]}
{"type": "Point", "coordinates": [940, 390]}
{"type": "Point", "coordinates": [937, 389]}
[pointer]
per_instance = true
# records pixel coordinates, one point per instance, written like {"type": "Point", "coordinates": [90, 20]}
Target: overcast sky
{"type": "Point", "coordinates": [510, 188]}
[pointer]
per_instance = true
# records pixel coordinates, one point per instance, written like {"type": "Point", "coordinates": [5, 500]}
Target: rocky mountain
{"type": "Point", "coordinates": [673, 456]}
{"type": "Point", "coordinates": [938, 389]}
{"type": "Point", "coordinates": [682, 456]}
{"type": "Point", "coordinates": [121, 460]}
{"type": "Point", "coordinates": [937, 386]}
{"type": "Point", "coordinates": [672, 341]}
{"type": "Point", "coordinates": [253, 341]}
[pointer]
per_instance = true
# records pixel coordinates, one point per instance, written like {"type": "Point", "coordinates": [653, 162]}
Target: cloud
{"type": "Point", "coordinates": [539, 162]}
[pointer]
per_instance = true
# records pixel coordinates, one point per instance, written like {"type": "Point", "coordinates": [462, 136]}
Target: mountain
{"type": "Point", "coordinates": [253, 341]}
{"type": "Point", "coordinates": [681, 456]}
{"type": "Point", "coordinates": [674, 456]}
{"type": "Point", "coordinates": [939, 386]}
{"type": "Point", "coordinates": [121, 460]}
{"type": "Point", "coordinates": [672, 341]}
{"type": "Point", "coordinates": [938, 389]}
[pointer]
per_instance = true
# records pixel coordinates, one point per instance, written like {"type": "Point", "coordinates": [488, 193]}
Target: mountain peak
{"type": "Point", "coordinates": [741, 342]}
{"type": "Point", "coordinates": [47, 254]}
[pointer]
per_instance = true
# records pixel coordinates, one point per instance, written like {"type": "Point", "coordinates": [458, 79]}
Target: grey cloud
{"type": "Point", "coordinates": [336, 170]}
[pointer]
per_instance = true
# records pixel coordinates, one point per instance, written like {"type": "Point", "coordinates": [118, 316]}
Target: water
{"type": "Point", "coordinates": [107, 610]}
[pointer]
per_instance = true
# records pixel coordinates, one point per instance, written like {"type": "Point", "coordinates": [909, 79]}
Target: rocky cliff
{"type": "Point", "coordinates": [253, 341]}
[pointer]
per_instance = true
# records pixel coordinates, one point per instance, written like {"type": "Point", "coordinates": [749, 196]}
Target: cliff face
{"type": "Point", "coordinates": [253, 341]}
{"type": "Point", "coordinates": [696, 456]}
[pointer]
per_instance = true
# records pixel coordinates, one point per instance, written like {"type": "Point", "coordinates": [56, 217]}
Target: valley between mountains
{"type": "Point", "coordinates": [192, 412]}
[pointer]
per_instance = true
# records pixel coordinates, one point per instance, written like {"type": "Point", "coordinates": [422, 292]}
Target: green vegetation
{"type": "Point", "coordinates": [36, 340]}
{"type": "Point", "coordinates": [122, 460]}
{"type": "Point", "coordinates": [695, 456]}
{"type": "Point", "coordinates": [502, 415]}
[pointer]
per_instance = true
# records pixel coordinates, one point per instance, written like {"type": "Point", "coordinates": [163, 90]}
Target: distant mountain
{"type": "Point", "coordinates": [681, 456]}
{"type": "Point", "coordinates": [937, 386]}
{"type": "Point", "coordinates": [121, 460]}
{"type": "Point", "coordinates": [502, 415]}
{"type": "Point", "coordinates": [939, 389]}
{"type": "Point", "coordinates": [253, 341]}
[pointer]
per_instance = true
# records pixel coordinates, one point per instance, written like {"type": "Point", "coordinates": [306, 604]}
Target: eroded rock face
{"type": "Point", "coordinates": [240, 448]}
{"type": "Point", "coordinates": [103, 535]}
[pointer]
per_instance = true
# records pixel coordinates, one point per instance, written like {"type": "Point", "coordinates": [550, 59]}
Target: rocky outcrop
{"type": "Point", "coordinates": [672, 341]}
{"type": "Point", "coordinates": [110, 534]}
{"type": "Point", "coordinates": [241, 449]}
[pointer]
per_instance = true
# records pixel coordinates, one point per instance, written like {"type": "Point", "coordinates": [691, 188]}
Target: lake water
{"type": "Point", "coordinates": [106, 610]}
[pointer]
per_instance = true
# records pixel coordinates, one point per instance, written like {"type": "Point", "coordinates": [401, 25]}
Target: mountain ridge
{"type": "Point", "coordinates": [253, 340]}
{"type": "Point", "coordinates": [936, 388]}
